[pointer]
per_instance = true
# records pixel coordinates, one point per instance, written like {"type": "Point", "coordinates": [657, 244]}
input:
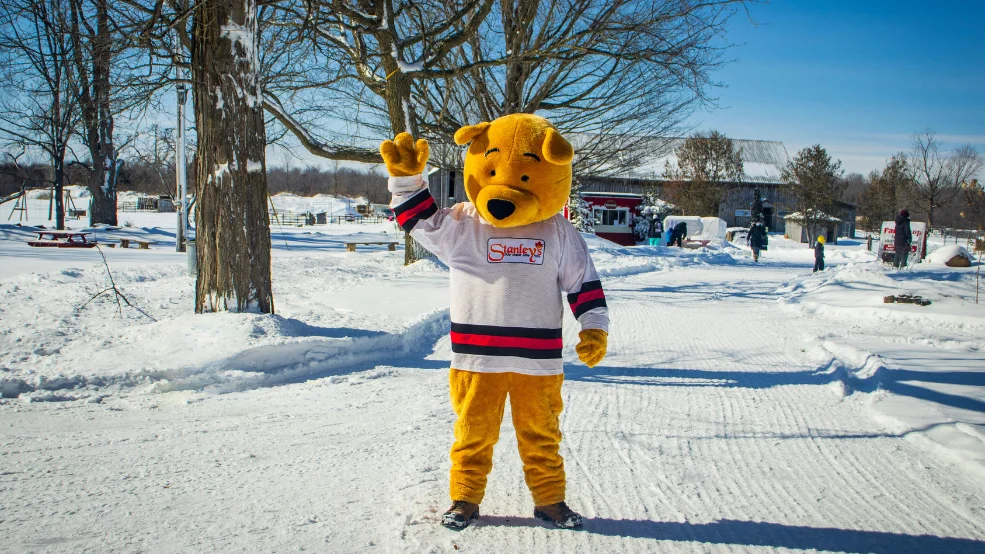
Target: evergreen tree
{"type": "Point", "coordinates": [756, 210]}
{"type": "Point", "coordinates": [579, 211]}
{"type": "Point", "coordinates": [815, 184]}
{"type": "Point", "coordinates": [651, 208]}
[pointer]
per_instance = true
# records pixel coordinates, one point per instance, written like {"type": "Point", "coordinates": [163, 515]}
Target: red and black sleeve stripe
{"type": "Point", "coordinates": [420, 206]}
{"type": "Point", "coordinates": [490, 340]}
{"type": "Point", "coordinates": [590, 296]}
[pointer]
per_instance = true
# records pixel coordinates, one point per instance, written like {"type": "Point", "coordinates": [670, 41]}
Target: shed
{"type": "Point", "coordinates": [826, 225]}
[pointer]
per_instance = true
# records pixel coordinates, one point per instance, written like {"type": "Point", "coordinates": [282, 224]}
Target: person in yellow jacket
{"type": "Point", "coordinates": [510, 253]}
{"type": "Point", "coordinates": [819, 254]}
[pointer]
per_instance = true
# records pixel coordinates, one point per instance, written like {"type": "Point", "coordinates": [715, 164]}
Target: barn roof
{"type": "Point", "coordinates": [762, 160]}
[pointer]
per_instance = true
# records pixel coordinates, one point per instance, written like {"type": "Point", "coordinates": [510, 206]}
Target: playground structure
{"type": "Point", "coordinates": [20, 200]}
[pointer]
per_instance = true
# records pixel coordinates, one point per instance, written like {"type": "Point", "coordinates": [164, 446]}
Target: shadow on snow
{"type": "Point", "coordinates": [898, 382]}
{"type": "Point", "coordinates": [758, 533]}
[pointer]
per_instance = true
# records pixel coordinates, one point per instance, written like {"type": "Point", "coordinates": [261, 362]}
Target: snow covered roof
{"type": "Point", "coordinates": [613, 194]}
{"type": "Point", "coordinates": [762, 160]}
{"type": "Point", "coordinates": [797, 216]}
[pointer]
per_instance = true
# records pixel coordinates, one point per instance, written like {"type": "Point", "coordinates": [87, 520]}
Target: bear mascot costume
{"type": "Point", "coordinates": [510, 254]}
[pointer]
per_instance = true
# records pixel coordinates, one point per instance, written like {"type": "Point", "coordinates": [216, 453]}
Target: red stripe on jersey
{"type": "Point", "coordinates": [586, 296]}
{"type": "Point", "coordinates": [402, 218]}
{"type": "Point", "coordinates": [506, 342]}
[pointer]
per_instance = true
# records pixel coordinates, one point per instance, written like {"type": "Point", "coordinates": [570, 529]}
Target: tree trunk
{"type": "Point", "coordinates": [402, 119]}
{"type": "Point", "coordinates": [233, 231]}
{"type": "Point", "coordinates": [58, 169]}
{"type": "Point", "coordinates": [102, 180]}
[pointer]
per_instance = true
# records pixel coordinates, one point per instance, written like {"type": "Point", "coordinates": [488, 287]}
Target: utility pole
{"type": "Point", "coordinates": [182, 184]}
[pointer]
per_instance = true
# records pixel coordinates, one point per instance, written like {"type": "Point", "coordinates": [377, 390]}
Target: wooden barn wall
{"type": "Point", "coordinates": [739, 197]}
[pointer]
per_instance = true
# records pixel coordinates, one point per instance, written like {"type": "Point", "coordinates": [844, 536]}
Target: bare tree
{"type": "Point", "coordinates": [974, 210]}
{"type": "Point", "coordinates": [707, 163]}
{"type": "Point", "coordinates": [37, 109]}
{"type": "Point", "coordinates": [814, 181]}
{"type": "Point", "coordinates": [91, 57]}
{"type": "Point", "coordinates": [384, 47]}
{"type": "Point", "coordinates": [855, 185]}
{"type": "Point", "coordinates": [152, 167]}
{"type": "Point", "coordinates": [886, 194]}
{"type": "Point", "coordinates": [614, 76]}
{"type": "Point", "coordinates": [937, 175]}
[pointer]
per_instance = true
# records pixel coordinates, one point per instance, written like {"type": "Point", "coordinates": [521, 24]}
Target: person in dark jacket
{"type": "Point", "coordinates": [656, 231]}
{"type": "Point", "coordinates": [819, 254]}
{"type": "Point", "coordinates": [757, 239]}
{"type": "Point", "coordinates": [902, 239]}
{"type": "Point", "coordinates": [678, 234]}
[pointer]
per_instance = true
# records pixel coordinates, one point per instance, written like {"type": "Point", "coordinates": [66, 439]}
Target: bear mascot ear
{"type": "Point", "coordinates": [557, 150]}
{"type": "Point", "coordinates": [469, 132]}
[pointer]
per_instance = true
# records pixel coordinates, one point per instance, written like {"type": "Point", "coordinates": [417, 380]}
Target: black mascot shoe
{"type": "Point", "coordinates": [460, 515]}
{"type": "Point", "coordinates": [560, 515]}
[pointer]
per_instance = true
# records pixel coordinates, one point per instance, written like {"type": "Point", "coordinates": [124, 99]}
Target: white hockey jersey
{"type": "Point", "coordinates": [506, 307]}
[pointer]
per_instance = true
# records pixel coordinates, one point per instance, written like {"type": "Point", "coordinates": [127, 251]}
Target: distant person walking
{"type": "Point", "coordinates": [902, 239]}
{"type": "Point", "coordinates": [656, 231]}
{"type": "Point", "coordinates": [757, 239]}
{"type": "Point", "coordinates": [678, 234]}
{"type": "Point", "coordinates": [819, 254]}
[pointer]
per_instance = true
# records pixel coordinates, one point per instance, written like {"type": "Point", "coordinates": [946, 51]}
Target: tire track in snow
{"type": "Point", "coordinates": [824, 439]}
{"type": "Point", "coordinates": [728, 421]}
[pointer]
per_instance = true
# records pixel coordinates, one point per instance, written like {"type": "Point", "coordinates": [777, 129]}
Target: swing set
{"type": "Point", "coordinates": [19, 199]}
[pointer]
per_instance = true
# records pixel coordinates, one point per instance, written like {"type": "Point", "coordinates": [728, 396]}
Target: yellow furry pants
{"type": "Point", "coordinates": [478, 400]}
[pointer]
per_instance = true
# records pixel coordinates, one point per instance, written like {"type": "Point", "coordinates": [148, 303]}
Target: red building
{"type": "Point", "coordinates": [615, 213]}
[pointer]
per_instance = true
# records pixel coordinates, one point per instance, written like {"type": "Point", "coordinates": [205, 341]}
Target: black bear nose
{"type": "Point", "coordinates": [500, 209]}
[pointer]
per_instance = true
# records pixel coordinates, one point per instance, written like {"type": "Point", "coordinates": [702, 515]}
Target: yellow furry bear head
{"type": "Point", "coordinates": [517, 169]}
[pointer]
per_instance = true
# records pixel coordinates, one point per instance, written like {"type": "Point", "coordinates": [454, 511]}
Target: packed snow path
{"type": "Point", "coordinates": [708, 428]}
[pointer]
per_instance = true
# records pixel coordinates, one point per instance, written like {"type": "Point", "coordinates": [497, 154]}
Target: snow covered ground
{"type": "Point", "coordinates": [742, 407]}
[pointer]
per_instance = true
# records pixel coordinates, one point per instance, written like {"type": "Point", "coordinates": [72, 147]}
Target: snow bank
{"type": "Point", "coordinates": [613, 260]}
{"type": "Point", "coordinates": [325, 321]}
{"type": "Point", "coordinates": [332, 205]}
{"type": "Point", "coordinates": [857, 290]}
{"type": "Point", "coordinates": [920, 367]}
{"type": "Point", "coordinates": [336, 310]}
{"type": "Point", "coordinates": [922, 402]}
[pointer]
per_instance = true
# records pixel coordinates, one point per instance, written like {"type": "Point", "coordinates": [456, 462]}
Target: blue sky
{"type": "Point", "coordinates": [856, 77]}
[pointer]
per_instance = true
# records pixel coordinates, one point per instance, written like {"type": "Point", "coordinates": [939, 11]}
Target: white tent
{"type": "Point", "coordinates": [698, 228]}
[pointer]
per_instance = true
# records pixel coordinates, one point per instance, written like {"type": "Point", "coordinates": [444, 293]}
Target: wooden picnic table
{"type": "Point", "coordinates": [390, 245]}
{"type": "Point", "coordinates": [62, 239]}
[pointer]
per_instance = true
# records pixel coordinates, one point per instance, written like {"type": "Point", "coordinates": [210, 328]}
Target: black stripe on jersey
{"type": "Point", "coordinates": [413, 202]}
{"type": "Point", "coordinates": [590, 305]}
{"type": "Point", "coordinates": [496, 331]}
{"type": "Point", "coordinates": [585, 287]}
{"type": "Point", "coordinates": [530, 353]}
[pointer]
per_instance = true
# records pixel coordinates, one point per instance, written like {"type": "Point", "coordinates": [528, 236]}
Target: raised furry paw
{"type": "Point", "coordinates": [403, 157]}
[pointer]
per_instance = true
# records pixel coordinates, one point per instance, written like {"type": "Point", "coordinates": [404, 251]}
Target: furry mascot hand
{"type": "Point", "coordinates": [591, 348]}
{"type": "Point", "coordinates": [402, 157]}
